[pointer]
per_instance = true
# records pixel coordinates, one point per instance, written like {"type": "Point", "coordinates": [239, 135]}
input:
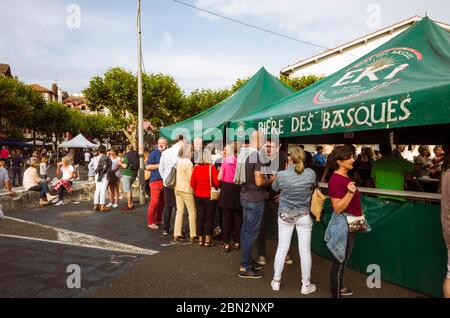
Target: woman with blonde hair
{"type": "Point", "coordinates": [32, 182]}
{"type": "Point", "coordinates": [295, 185]}
{"type": "Point", "coordinates": [66, 171]}
{"type": "Point", "coordinates": [184, 194]}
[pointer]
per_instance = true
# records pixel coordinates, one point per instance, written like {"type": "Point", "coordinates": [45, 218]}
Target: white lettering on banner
{"type": "Point", "coordinates": [271, 127]}
{"type": "Point", "coordinates": [325, 120]}
{"type": "Point", "coordinates": [404, 109]}
{"type": "Point", "coordinates": [396, 71]}
{"type": "Point", "coordinates": [338, 120]}
{"type": "Point", "coordinates": [366, 118]}
{"type": "Point", "coordinates": [382, 116]}
{"type": "Point", "coordinates": [348, 77]}
{"type": "Point", "coordinates": [295, 124]}
{"type": "Point", "coordinates": [310, 124]}
{"type": "Point", "coordinates": [350, 117]}
{"type": "Point", "coordinates": [391, 111]}
{"type": "Point", "coordinates": [370, 73]}
{"type": "Point", "coordinates": [388, 112]}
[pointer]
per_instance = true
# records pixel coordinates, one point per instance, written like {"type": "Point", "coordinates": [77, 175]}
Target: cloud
{"type": "Point", "coordinates": [194, 70]}
{"type": "Point", "coordinates": [168, 39]}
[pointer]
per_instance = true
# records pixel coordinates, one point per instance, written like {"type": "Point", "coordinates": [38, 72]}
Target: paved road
{"type": "Point", "coordinates": [37, 268]}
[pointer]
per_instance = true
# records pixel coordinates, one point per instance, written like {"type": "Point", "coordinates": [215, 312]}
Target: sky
{"type": "Point", "coordinates": [71, 41]}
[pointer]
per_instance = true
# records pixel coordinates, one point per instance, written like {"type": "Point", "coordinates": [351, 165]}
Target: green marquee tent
{"type": "Point", "coordinates": [403, 83]}
{"type": "Point", "coordinates": [260, 91]}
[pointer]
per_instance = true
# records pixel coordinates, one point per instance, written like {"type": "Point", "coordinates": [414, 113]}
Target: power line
{"type": "Point", "coordinates": [252, 26]}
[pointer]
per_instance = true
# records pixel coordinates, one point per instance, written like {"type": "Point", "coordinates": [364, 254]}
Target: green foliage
{"type": "Point", "coordinates": [18, 105]}
{"type": "Point", "coordinates": [200, 100]}
{"type": "Point", "coordinates": [300, 83]}
{"type": "Point", "coordinates": [117, 91]}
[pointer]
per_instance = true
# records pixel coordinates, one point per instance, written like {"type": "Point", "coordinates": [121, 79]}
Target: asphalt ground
{"type": "Point", "coordinates": [36, 266]}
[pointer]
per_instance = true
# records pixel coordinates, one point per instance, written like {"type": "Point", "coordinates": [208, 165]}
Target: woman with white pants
{"type": "Point", "coordinates": [102, 180]}
{"type": "Point", "coordinates": [295, 200]}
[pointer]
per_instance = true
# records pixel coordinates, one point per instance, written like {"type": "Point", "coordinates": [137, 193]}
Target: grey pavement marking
{"type": "Point", "coordinates": [84, 240]}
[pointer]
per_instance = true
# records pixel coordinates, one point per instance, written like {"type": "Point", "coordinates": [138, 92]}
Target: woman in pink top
{"type": "Point", "coordinates": [230, 200]}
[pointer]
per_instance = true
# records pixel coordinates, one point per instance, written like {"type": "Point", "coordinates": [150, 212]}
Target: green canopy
{"type": "Point", "coordinates": [259, 92]}
{"type": "Point", "coordinates": [403, 83]}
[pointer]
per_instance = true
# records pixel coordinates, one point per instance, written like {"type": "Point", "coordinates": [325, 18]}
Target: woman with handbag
{"type": "Point", "coordinates": [347, 218]}
{"type": "Point", "coordinates": [294, 212]}
{"type": "Point", "coordinates": [204, 182]}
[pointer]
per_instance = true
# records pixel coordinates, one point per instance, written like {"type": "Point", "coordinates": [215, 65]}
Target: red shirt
{"type": "Point", "coordinates": [337, 189]}
{"type": "Point", "coordinates": [200, 180]}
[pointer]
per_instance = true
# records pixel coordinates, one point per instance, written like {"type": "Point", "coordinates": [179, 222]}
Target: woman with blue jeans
{"type": "Point", "coordinates": [295, 201]}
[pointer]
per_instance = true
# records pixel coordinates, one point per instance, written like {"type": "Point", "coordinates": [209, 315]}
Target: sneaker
{"type": "Point", "coordinates": [289, 260]}
{"type": "Point", "coordinates": [275, 283]}
{"type": "Point", "coordinates": [262, 260]}
{"type": "Point", "coordinates": [308, 289]}
{"type": "Point", "coordinates": [109, 205]}
{"type": "Point", "coordinates": [255, 266]}
{"type": "Point", "coordinates": [60, 202]}
{"type": "Point", "coordinates": [165, 233]}
{"type": "Point", "coordinates": [346, 292]}
{"type": "Point", "coordinates": [249, 273]}
{"type": "Point", "coordinates": [115, 206]}
{"type": "Point", "coordinates": [153, 226]}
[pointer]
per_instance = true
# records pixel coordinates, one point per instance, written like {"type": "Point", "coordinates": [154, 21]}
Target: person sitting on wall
{"type": "Point", "coordinates": [4, 179]}
{"type": "Point", "coordinates": [32, 182]}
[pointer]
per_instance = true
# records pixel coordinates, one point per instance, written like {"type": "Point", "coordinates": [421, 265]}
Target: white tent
{"type": "Point", "coordinates": [78, 142]}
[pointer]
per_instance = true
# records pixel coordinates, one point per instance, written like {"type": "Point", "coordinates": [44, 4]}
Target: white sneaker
{"type": "Point", "coordinates": [275, 284]}
{"type": "Point", "coordinates": [115, 206]}
{"type": "Point", "coordinates": [60, 202]}
{"type": "Point", "coordinates": [308, 289]}
{"type": "Point", "coordinates": [109, 205]}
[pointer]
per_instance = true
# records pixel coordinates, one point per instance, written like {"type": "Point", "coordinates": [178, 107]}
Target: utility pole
{"type": "Point", "coordinates": [140, 113]}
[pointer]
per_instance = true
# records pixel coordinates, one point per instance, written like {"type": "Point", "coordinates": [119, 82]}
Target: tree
{"type": "Point", "coordinates": [300, 83]}
{"type": "Point", "coordinates": [19, 104]}
{"type": "Point", "coordinates": [117, 91]}
{"type": "Point", "coordinates": [200, 100]}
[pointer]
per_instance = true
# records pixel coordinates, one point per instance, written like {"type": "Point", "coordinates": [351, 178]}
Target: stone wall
{"type": "Point", "coordinates": [81, 191]}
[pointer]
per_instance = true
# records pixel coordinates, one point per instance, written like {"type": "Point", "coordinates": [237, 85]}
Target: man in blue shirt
{"type": "Point", "coordinates": [156, 205]}
{"type": "Point", "coordinates": [320, 159]}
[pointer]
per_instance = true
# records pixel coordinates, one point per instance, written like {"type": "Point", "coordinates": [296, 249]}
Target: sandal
{"type": "Point", "coordinates": [209, 244]}
{"type": "Point", "coordinates": [225, 247]}
{"type": "Point", "coordinates": [236, 246]}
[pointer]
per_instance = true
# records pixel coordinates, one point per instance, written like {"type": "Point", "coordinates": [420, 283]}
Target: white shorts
{"type": "Point", "coordinates": [448, 262]}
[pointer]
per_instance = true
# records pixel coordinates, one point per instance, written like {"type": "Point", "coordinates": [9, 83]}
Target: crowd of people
{"type": "Point", "coordinates": [241, 190]}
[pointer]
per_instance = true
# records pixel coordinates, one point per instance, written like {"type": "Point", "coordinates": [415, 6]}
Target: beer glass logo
{"type": "Point", "coordinates": [376, 72]}
{"type": "Point", "coordinates": [241, 129]}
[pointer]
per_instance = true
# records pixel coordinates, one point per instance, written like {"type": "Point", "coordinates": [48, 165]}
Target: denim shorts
{"type": "Point", "coordinates": [127, 182]}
